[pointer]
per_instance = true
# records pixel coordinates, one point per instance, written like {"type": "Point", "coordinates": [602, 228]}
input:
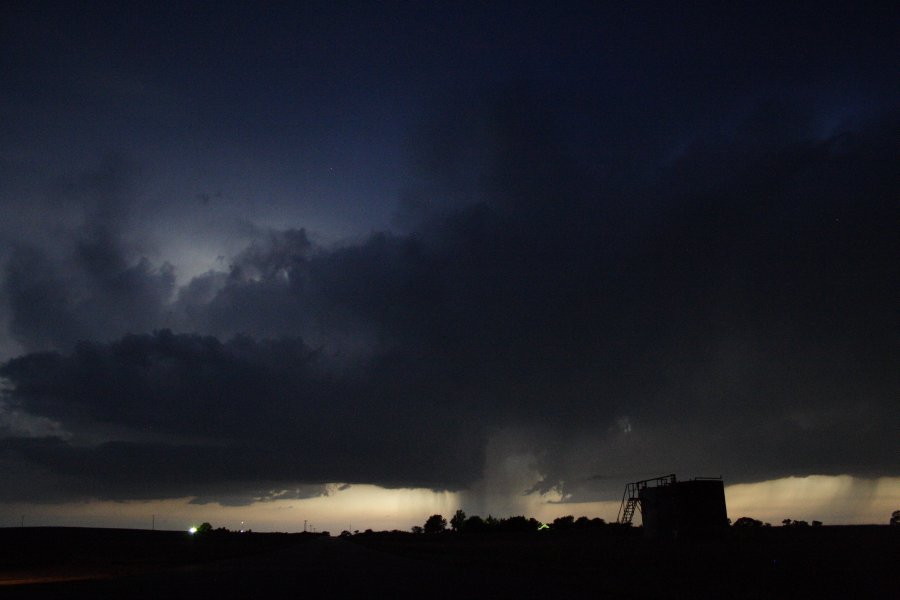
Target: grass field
{"type": "Point", "coordinates": [820, 562]}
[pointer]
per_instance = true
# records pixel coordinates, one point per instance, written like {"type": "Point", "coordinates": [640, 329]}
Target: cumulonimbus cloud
{"type": "Point", "coordinates": [733, 316]}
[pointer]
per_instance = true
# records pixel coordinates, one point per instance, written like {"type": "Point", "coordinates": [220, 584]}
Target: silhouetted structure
{"type": "Point", "coordinates": [677, 509]}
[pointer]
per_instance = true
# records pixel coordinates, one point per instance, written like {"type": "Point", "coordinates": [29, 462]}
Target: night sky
{"type": "Point", "coordinates": [253, 254]}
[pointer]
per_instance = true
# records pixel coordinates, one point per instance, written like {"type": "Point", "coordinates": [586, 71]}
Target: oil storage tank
{"type": "Point", "coordinates": [684, 509]}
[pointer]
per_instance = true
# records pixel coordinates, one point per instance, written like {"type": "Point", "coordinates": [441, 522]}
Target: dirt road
{"type": "Point", "coordinates": [323, 566]}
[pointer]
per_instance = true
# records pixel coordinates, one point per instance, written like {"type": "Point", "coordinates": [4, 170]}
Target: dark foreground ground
{"type": "Point", "coordinates": [822, 562]}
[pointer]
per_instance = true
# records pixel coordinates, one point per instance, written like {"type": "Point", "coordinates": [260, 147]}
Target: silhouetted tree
{"type": "Point", "coordinates": [435, 524]}
{"type": "Point", "coordinates": [816, 523]}
{"type": "Point", "coordinates": [458, 521]}
{"type": "Point", "coordinates": [795, 523]}
{"type": "Point", "coordinates": [563, 523]}
{"type": "Point", "coordinates": [747, 522]}
{"type": "Point", "coordinates": [895, 517]}
{"type": "Point", "coordinates": [474, 524]}
{"type": "Point", "coordinates": [519, 523]}
{"type": "Point", "coordinates": [416, 529]}
{"type": "Point", "coordinates": [586, 523]}
{"type": "Point", "coordinates": [204, 528]}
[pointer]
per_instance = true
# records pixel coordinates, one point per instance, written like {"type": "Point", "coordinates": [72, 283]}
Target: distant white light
{"type": "Point", "coordinates": [192, 530]}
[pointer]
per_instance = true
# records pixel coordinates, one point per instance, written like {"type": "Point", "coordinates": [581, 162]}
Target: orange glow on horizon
{"type": "Point", "coordinates": [830, 499]}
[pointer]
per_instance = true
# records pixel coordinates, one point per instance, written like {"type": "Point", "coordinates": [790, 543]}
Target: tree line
{"type": "Point", "coordinates": [462, 523]}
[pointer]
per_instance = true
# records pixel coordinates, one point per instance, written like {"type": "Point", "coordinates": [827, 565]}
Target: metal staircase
{"type": "Point", "coordinates": [631, 497]}
{"type": "Point", "coordinates": [626, 512]}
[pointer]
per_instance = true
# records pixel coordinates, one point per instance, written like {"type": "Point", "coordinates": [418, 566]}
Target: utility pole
{"type": "Point", "coordinates": [153, 524]}
{"type": "Point", "coordinates": [304, 525]}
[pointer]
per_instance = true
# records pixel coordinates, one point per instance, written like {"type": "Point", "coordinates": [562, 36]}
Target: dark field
{"type": "Point", "coordinates": [55, 553]}
{"type": "Point", "coordinates": [821, 562]}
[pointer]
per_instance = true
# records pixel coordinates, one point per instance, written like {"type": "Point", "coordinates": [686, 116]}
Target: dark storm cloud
{"type": "Point", "coordinates": [241, 411]}
{"type": "Point", "coordinates": [93, 293]}
{"type": "Point", "coordinates": [669, 245]}
{"type": "Point", "coordinates": [744, 325]}
{"type": "Point", "coordinates": [76, 274]}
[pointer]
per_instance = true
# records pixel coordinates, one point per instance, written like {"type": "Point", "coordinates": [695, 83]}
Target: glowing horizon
{"type": "Point", "coordinates": [834, 500]}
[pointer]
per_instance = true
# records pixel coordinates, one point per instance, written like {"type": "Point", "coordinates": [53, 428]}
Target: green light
{"type": "Point", "coordinates": [543, 526]}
